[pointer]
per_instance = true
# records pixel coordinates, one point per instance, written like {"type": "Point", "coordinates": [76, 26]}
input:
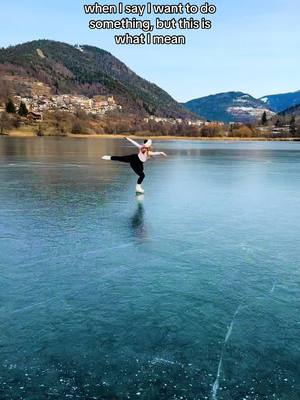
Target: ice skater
{"type": "Point", "coordinates": [136, 161]}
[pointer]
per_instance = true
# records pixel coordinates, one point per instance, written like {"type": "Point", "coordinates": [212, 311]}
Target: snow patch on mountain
{"type": "Point", "coordinates": [246, 107]}
{"type": "Point", "coordinates": [265, 99]}
{"type": "Point", "coordinates": [245, 112]}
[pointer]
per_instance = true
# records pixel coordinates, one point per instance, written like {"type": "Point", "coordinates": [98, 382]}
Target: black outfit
{"type": "Point", "coordinates": [136, 164]}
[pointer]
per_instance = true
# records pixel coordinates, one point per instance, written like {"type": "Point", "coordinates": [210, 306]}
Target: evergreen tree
{"type": "Point", "coordinates": [264, 119]}
{"type": "Point", "coordinates": [293, 125]}
{"type": "Point", "coordinates": [10, 107]}
{"type": "Point", "coordinates": [23, 110]}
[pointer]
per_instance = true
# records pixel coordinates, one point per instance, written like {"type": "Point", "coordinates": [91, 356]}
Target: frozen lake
{"type": "Point", "coordinates": [190, 292]}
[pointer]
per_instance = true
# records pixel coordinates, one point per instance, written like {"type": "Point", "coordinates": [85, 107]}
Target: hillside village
{"type": "Point", "coordinates": [98, 105]}
{"type": "Point", "coordinates": [39, 104]}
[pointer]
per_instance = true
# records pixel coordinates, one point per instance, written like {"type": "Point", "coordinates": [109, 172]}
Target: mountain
{"type": "Point", "coordinates": [295, 110]}
{"type": "Point", "coordinates": [280, 102]}
{"type": "Point", "coordinates": [229, 106]}
{"type": "Point", "coordinates": [53, 67]}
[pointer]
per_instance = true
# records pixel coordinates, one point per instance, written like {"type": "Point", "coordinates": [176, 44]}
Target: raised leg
{"type": "Point", "coordinates": [126, 159]}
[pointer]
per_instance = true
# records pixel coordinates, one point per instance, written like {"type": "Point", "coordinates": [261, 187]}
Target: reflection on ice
{"type": "Point", "coordinates": [137, 221]}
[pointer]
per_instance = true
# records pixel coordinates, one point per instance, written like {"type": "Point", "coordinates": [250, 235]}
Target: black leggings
{"type": "Point", "coordinates": [135, 163]}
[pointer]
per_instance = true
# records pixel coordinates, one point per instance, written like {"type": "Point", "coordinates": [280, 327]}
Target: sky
{"type": "Point", "coordinates": [253, 45]}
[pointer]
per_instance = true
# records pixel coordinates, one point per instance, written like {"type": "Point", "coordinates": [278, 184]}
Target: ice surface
{"type": "Point", "coordinates": [106, 295]}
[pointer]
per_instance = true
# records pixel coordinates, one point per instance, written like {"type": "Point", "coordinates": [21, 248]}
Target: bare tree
{"type": "Point", "coordinates": [5, 123]}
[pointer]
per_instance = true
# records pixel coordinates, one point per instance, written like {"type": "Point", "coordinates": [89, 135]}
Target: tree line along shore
{"type": "Point", "coordinates": [18, 120]}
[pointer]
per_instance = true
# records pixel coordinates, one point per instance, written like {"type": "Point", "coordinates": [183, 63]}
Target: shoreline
{"type": "Point", "coordinates": [196, 138]}
{"type": "Point", "coordinates": [30, 134]}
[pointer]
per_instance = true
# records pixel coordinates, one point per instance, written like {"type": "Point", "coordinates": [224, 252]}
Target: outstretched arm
{"type": "Point", "coordinates": [157, 153]}
{"type": "Point", "coordinates": [133, 142]}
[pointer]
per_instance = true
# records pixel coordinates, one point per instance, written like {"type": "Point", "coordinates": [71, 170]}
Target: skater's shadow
{"type": "Point", "coordinates": [138, 221]}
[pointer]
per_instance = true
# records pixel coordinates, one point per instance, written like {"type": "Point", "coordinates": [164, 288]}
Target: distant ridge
{"type": "Point", "coordinates": [229, 107]}
{"type": "Point", "coordinates": [295, 111]}
{"type": "Point", "coordinates": [85, 70]}
{"type": "Point", "coordinates": [280, 102]}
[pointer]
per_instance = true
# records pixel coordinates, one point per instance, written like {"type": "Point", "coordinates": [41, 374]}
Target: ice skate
{"type": "Point", "coordinates": [139, 189]}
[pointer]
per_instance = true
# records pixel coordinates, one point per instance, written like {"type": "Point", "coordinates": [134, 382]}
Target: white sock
{"type": "Point", "coordinates": [106, 158]}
